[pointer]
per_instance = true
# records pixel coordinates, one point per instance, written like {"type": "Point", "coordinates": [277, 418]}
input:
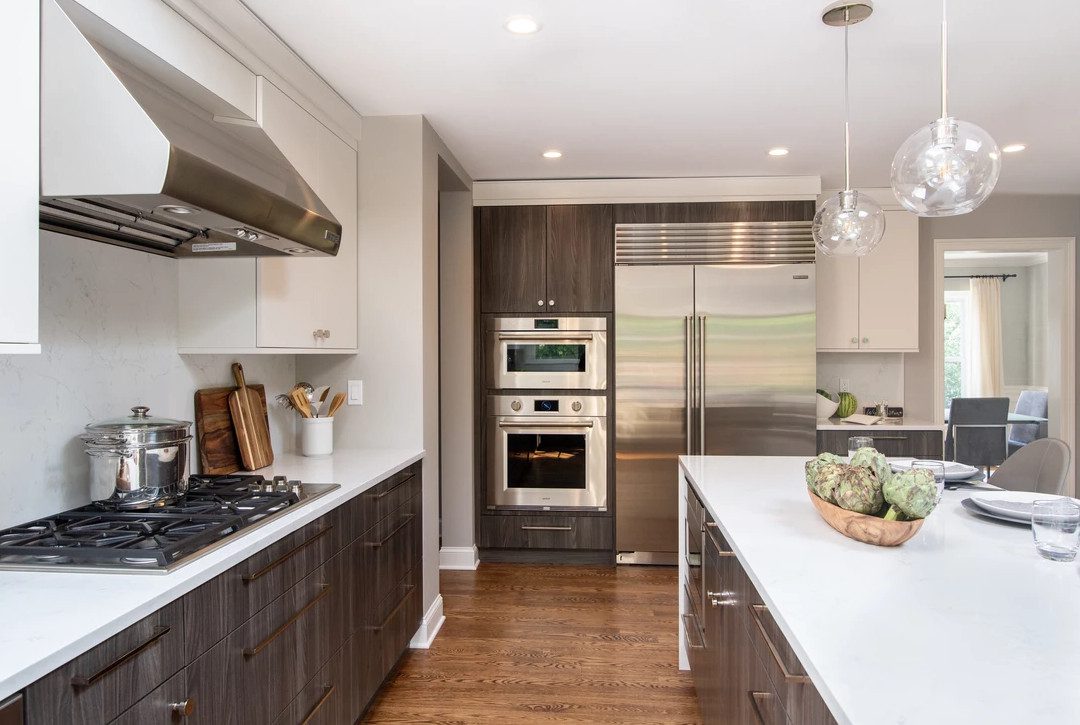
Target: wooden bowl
{"type": "Point", "coordinates": [863, 527]}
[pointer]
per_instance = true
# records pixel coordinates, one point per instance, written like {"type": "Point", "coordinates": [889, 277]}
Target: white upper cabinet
{"type": "Point", "coordinates": [19, 180]}
{"type": "Point", "coordinates": [871, 304]}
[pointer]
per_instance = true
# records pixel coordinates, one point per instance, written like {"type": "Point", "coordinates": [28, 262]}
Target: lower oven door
{"type": "Point", "coordinates": [575, 360]}
{"type": "Point", "coordinates": [548, 463]}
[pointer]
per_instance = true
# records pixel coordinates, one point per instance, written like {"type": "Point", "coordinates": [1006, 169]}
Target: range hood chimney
{"type": "Point", "coordinates": [127, 160]}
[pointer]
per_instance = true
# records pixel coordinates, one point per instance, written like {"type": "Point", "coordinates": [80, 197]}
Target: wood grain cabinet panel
{"type": "Point", "coordinates": [166, 705]}
{"type": "Point", "coordinates": [328, 698]}
{"type": "Point", "coordinates": [580, 258]}
{"type": "Point", "coordinates": [545, 532]}
{"type": "Point", "coordinates": [899, 443]}
{"type": "Point", "coordinates": [99, 685]}
{"type": "Point", "coordinates": [391, 548]}
{"type": "Point", "coordinates": [513, 259]}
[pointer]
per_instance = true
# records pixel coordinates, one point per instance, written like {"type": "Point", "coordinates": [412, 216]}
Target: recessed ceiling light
{"type": "Point", "coordinates": [552, 154]}
{"type": "Point", "coordinates": [522, 25]}
{"type": "Point", "coordinates": [1013, 148]}
{"type": "Point", "coordinates": [778, 151]}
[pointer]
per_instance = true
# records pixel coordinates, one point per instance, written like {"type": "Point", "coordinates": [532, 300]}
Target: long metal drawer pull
{"type": "Point", "coordinates": [526, 527]}
{"type": "Point", "coordinates": [756, 698]}
{"type": "Point", "coordinates": [702, 379]}
{"type": "Point", "coordinates": [530, 424]}
{"type": "Point", "coordinates": [388, 617]}
{"type": "Point", "coordinates": [687, 624]}
{"type": "Point", "coordinates": [712, 539]}
{"type": "Point", "coordinates": [328, 690]}
{"type": "Point", "coordinates": [545, 336]}
{"type": "Point", "coordinates": [80, 681]}
{"type": "Point", "coordinates": [689, 386]}
{"type": "Point", "coordinates": [381, 542]}
{"type": "Point", "coordinates": [252, 651]}
{"type": "Point", "coordinates": [288, 555]}
{"type": "Point", "coordinates": [889, 438]}
{"type": "Point", "coordinates": [393, 488]}
{"type": "Point", "coordinates": [755, 612]}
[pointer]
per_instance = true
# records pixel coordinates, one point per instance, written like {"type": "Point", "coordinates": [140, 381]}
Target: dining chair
{"type": "Point", "coordinates": [977, 431]}
{"type": "Point", "coordinates": [1040, 466]}
{"type": "Point", "coordinates": [1030, 402]}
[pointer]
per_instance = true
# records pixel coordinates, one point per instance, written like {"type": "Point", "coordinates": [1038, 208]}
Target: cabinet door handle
{"type": "Point", "coordinates": [252, 651]}
{"type": "Point", "coordinates": [399, 605]}
{"type": "Point", "coordinates": [80, 682]}
{"type": "Point", "coordinates": [889, 438]}
{"type": "Point", "coordinates": [755, 614]}
{"type": "Point", "coordinates": [712, 539]}
{"type": "Point", "coordinates": [247, 578]}
{"type": "Point", "coordinates": [393, 532]}
{"type": "Point", "coordinates": [328, 690]}
{"type": "Point", "coordinates": [854, 341]}
{"type": "Point", "coordinates": [688, 624]}
{"type": "Point", "coordinates": [184, 708]}
{"type": "Point", "coordinates": [551, 303]}
{"type": "Point", "coordinates": [540, 303]}
{"type": "Point", "coordinates": [526, 527]}
{"type": "Point", "coordinates": [756, 700]}
{"type": "Point", "coordinates": [866, 339]}
{"type": "Point", "coordinates": [393, 488]}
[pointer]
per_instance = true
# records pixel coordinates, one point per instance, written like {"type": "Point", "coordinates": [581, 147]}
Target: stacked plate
{"type": "Point", "coordinates": [953, 471]}
{"type": "Point", "coordinates": [1012, 506]}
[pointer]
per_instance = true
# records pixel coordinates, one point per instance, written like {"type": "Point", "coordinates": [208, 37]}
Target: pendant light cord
{"type": "Point", "coordinates": [944, 59]}
{"type": "Point", "coordinates": [847, 117]}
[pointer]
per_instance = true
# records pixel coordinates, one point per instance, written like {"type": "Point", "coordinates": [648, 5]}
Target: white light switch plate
{"type": "Point", "coordinates": [356, 392]}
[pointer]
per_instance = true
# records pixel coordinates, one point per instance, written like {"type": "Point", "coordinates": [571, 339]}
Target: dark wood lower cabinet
{"type": "Point", "coordinates": [899, 443]}
{"type": "Point", "coordinates": [304, 631]}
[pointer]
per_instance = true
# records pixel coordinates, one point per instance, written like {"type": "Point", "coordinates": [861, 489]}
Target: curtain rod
{"type": "Point", "coordinates": [1002, 277]}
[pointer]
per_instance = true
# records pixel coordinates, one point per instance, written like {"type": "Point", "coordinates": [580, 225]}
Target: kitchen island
{"type": "Point", "coordinates": [964, 623]}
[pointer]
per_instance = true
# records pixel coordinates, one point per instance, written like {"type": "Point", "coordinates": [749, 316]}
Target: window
{"type": "Point", "coordinates": [957, 315]}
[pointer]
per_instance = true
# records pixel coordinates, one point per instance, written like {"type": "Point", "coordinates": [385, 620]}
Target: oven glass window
{"type": "Point", "coordinates": [536, 358]}
{"type": "Point", "coordinates": [545, 460]}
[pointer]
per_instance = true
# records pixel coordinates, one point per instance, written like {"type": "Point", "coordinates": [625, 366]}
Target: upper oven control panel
{"type": "Point", "coordinates": [591, 406]}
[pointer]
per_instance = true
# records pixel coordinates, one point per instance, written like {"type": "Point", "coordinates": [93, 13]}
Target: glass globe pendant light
{"type": "Point", "coordinates": [948, 167]}
{"type": "Point", "coordinates": [849, 223]}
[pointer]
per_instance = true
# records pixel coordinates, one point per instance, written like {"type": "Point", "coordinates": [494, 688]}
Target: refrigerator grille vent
{"type": "Point", "coordinates": [714, 243]}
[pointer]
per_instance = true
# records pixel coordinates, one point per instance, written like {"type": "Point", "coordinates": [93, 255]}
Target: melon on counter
{"type": "Point", "coordinates": [848, 405]}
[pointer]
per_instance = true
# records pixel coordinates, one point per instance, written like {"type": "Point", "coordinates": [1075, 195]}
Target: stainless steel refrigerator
{"type": "Point", "coordinates": [715, 359]}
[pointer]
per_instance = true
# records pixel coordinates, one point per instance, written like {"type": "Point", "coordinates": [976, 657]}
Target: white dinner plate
{"type": "Point", "coordinates": [1014, 505]}
{"type": "Point", "coordinates": [953, 471]}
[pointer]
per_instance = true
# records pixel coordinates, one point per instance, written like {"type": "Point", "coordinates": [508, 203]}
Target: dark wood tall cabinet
{"type": "Point", "coordinates": [513, 258]}
{"type": "Point", "coordinates": [580, 258]}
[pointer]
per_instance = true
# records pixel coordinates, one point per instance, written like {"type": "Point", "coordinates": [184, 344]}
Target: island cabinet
{"type": "Point", "coordinates": [540, 259]}
{"type": "Point", "coordinates": [304, 631]}
{"type": "Point", "coordinates": [743, 669]}
{"type": "Point", "coordinates": [899, 443]}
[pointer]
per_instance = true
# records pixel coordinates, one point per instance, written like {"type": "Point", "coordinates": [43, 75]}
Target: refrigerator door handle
{"type": "Point", "coordinates": [689, 384]}
{"type": "Point", "coordinates": [701, 383]}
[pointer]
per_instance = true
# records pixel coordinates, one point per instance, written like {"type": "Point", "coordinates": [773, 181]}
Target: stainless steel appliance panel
{"type": "Point", "coordinates": [758, 359]}
{"type": "Point", "coordinates": [548, 352]}
{"type": "Point", "coordinates": [653, 330]}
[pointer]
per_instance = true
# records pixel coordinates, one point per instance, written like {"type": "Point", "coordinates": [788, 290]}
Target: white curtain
{"type": "Point", "coordinates": [985, 376]}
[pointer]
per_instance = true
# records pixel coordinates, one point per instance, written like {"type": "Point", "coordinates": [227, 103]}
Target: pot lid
{"type": "Point", "coordinates": [139, 420]}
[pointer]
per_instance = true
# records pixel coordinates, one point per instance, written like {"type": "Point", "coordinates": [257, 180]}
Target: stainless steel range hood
{"type": "Point", "coordinates": [127, 160]}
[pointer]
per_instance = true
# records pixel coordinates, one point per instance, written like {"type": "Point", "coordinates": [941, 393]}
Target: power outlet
{"type": "Point", "coordinates": [356, 392]}
{"type": "Point", "coordinates": [843, 387]}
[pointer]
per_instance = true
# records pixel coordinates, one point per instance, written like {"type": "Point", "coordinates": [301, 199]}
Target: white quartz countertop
{"type": "Point", "coordinates": [965, 623]}
{"type": "Point", "coordinates": [880, 428]}
{"type": "Point", "coordinates": [52, 617]}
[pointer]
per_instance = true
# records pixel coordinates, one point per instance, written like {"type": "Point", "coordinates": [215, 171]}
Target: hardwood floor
{"type": "Point", "coordinates": [537, 643]}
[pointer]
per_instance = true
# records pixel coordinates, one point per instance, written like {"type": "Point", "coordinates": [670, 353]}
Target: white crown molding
{"type": "Point", "coordinates": [883, 195]}
{"type": "Point", "coordinates": [429, 625]}
{"type": "Point", "coordinates": [459, 558]}
{"type": "Point", "coordinates": [636, 191]}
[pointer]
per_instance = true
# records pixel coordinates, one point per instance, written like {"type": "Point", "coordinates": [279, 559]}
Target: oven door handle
{"type": "Point", "coordinates": [546, 337]}
{"type": "Point", "coordinates": [567, 426]}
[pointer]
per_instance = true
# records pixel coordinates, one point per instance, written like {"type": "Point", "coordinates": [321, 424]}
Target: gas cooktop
{"type": "Point", "coordinates": [215, 509]}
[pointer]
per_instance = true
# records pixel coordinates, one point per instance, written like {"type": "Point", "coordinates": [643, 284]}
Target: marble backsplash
{"type": "Point", "coordinates": [871, 377]}
{"type": "Point", "coordinates": [108, 334]}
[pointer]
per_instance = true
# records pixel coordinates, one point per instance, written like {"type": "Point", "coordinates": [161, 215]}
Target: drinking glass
{"type": "Point", "coordinates": [854, 443]}
{"type": "Point", "coordinates": [1055, 525]}
{"type": "Point", "coordinates": [935, 467]}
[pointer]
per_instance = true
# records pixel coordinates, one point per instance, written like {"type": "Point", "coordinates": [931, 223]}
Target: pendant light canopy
{"type": "Point", "coordinates": [948, 167]}
{"type": "Point", "coordinates": [849, 223]}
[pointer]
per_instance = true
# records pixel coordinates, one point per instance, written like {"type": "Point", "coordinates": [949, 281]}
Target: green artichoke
{"type": "Point", "coordinates": [912, 494]}
{"type": "Point", "coordinates": [870, 458]}
{"type": "Point", "coordinates": [812, 468]}
{"type": "Point", "coordinates": [858, 489]}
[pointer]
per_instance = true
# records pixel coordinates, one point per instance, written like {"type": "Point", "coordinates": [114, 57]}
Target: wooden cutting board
{"type": "Point", "coordinates": [250, 424]}
{"type": "Point", "coordinates": [218, 451]}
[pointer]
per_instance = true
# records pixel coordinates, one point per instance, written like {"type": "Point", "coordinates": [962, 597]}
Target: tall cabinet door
{"type": "Point", "coordinates": [759, 359]}
{"type": "Point", "coordinates": [654, 306]}
{"type": "Point", "coordinates": [580, 258]}
{"type": "Point", "coordinates": [889, 287]}
{"type": "Point", "coordinates": [336, 290]}
{"type": "Point", "coordinates": [837, 302]}
{"type": "Point", "coordinates": [513, 254]}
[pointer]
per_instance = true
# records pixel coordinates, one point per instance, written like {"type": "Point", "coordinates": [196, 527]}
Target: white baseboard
{"type": "Point", "coordinates": [429, 626]}
{"type": "Point", "coordinates": [459, 558]}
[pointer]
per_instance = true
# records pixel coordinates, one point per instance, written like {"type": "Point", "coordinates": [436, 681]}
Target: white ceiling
{"type": "Point", "coordinates": [700, 87]}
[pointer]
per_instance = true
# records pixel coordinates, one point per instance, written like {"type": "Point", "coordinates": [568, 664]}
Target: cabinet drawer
{"type": "Point", "coordinates": [166, 705]}
{"type": "Point", "coordinates": [545, 532]}
{"type": "Point", "coordinates": [390, 549]}
{"type": "Point", "coordinates": [99, 685]}
{"type": "Point", "coordinates": [390, 495]}
{"type": "Point", "coordinates": [327, 699]}
{"type": "Point", "coordinates": [899, 443]}
{"type": "Point", "coordinates": [227, 601]}
{"type": "Point", "coordinates": [255, 672]}
{"type": "Point", "coordinates": [390, 634]}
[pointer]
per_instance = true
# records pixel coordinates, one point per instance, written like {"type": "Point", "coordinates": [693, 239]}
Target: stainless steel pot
{"type": "Point", "coordinates": [138, 462]}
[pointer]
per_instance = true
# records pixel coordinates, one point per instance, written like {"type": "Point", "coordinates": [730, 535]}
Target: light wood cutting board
{"type": "Point", "coordinates": [219, 453]}
{"type": "Point", "coordinates": [250, 424]}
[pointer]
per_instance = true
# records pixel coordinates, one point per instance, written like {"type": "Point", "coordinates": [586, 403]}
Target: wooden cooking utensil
{"type": "Point", "coordinates": [218, 452]}
{"type": "Point", "coordinates": [252, 431]}
{"type": "Point", "coordinates": [339, 398]}
{"type": "Point", "coordinates": [300, 402]}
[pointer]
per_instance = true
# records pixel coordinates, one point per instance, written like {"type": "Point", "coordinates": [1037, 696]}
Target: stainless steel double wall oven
{"type": "Point", "coordinates": [548, 444]}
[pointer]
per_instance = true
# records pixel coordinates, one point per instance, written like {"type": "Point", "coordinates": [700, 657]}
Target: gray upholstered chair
{"type": "Point", "coordinates": [1040, 466]}
{"type": "Point", "coordinates": [977, 431]}
{"type": "Point", "coordinates": [1030, 402]}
